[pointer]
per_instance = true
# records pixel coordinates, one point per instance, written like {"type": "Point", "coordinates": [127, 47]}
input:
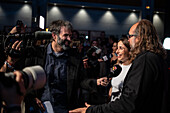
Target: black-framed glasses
{"type": "Point", "coordinates": [129, 36]}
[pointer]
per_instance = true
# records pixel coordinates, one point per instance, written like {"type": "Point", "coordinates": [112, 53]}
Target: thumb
{"type": "Point", "coordinates": [87, 105]}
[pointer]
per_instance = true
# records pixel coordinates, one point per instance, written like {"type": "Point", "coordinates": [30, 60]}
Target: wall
{"type": "Point", "coordinates": [11, 12]}
{"type": "Point", "coordinates": [112, 22]}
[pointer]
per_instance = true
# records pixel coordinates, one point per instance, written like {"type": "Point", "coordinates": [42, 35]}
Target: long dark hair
{"type": "Point", "coordinates": [148, 40]}
{"type": "Point", "coordinates": [124, 40]}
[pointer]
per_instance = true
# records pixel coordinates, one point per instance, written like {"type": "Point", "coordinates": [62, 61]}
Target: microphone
{"type": "Point", "coordinates": [115, 71]}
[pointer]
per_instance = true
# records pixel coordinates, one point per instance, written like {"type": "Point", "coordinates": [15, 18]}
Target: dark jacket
{"type": "Point", "coordinates": [63, 91]}
{"type": "Point", "coordinates": [145, 88]}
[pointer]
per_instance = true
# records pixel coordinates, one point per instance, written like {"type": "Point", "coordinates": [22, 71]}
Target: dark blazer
{"type": "Point", "coordinates": [74, 76]}
{"type": "Point", "coordinates": [145, 88]}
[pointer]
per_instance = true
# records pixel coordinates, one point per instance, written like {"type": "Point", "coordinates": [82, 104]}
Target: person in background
{"type": "Point", "coordinates": [19, 28]}
{"type": "Point", "coordinates": [113, 59]}
{"type": "Point", "coordinates": [123, 54]}
{"type": "Point", "coordinates": [146, 85]}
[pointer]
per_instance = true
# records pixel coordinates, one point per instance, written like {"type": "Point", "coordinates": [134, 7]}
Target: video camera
{"type": "Point", "coordinates": [34, 78]}
{"type": "Point", "coordinates": [28, 41]}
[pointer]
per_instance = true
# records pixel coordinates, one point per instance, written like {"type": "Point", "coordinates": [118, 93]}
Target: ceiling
{"type": "Point", "coordinates": [158, 4]}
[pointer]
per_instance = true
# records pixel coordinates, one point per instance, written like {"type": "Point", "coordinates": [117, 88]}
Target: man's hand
{"type": "Point", "coordinates": [80, 110]}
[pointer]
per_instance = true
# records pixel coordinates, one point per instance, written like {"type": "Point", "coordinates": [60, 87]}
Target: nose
{"type": "Point", "coordinates": [117, 51]}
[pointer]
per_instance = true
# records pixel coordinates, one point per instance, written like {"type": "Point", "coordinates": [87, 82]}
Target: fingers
{"type": "Point", "coordinates": [75, 111]}
{"type": "Point", "coordinates": [20, 81]}
{"type": "Point", "coordinates": [39, 103]}
{"type": "Point", "coordinates": [85, 63]}
{"type": "Point", "coordinates": [103, 81]}
{"type": "Point", "coordinates": [87, 105]}
{"type": "Point", "coordinates": [79, 110]}
{"type": "Point", "coordinates": [16, 45]}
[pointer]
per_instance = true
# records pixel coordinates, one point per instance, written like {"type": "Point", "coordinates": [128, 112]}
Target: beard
{"type": "Point", "coordinates": [65, 44]}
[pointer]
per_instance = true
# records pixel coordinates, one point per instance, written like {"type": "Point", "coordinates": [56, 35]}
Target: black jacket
{"type": "Point", "coordinates": [145, 88]}
{"type": "Point", "coordinates": [75, 75]}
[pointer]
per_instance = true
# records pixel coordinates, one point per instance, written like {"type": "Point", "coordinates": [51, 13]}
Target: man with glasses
{"type": "Point", "coordinates": [145, 89]}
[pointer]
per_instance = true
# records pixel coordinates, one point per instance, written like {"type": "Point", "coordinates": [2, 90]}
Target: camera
{"type": "Point", "coordinates": [93, 54]}
{"type": "Point", "coordinates": [28, 45]}
{"type": "Point", "coordinates": [34, 78]}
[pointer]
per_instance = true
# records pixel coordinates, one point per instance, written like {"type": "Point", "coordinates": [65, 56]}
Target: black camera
{"type": "Point", "coordinates": [28, 42]}
{"type": "Point", "coordinates": [34, 78]}
{"type": "Point", "coordinates": [93, 54]}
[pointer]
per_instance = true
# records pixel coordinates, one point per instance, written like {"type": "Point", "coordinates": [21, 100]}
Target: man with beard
{"type": "Point", "coordinates": [145, 88]}
{"type": "Point", "coordinates": [63, 70]}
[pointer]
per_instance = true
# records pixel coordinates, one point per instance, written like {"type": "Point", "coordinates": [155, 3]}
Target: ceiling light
{"type": "Point", "coordinates": [147, 7]}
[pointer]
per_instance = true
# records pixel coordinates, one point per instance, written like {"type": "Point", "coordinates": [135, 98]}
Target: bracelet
{"type": "Point", "coordinates": [9, 65]}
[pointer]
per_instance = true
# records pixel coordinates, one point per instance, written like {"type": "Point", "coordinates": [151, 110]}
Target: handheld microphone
{"type": "Point", "coordinates": [115, 71]}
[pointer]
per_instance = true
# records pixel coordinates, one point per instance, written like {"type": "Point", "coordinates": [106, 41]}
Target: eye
{"type": "Point", "coordinates": [121, 48]}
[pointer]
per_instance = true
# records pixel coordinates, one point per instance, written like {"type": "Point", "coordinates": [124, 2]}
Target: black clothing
{"type": "Point", "coordinates": [145, 88]}
{"type": "Point", "coordinates": [64, 74]}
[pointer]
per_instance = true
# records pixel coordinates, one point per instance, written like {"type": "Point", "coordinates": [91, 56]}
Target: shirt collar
{"type": "Point", "coordinates": [50, 51]}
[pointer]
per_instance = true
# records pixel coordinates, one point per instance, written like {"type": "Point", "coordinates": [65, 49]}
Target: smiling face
{"type": "Point", "coordinates": [63, 39]}
{"type": "Point", "coordinates": [122, 52]}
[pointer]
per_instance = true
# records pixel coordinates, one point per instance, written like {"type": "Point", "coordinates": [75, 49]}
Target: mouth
{"type": "Point", "coordinates": [119, 56]}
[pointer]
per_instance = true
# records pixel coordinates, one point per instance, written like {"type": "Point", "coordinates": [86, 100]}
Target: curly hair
{"type": "Point", "coordinates": [148, 40]}
{"type": "Point", "coordinates": [55, 26]}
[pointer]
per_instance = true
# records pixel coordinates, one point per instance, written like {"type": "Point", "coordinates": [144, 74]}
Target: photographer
{"type": "Point", "coordinates": [11, 96]}
{"type": "Point", "coordinates": [15, 60]}
{"type": "Point", "coordinates": [19, 28]}
{"type": "Point", "coordinates": [95, 87]}
{"type": "Point", "coordinates": [15, 85]}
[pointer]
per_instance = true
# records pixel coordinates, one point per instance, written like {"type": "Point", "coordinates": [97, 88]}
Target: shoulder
{"type": "Point", "coordinates": [148, 55]}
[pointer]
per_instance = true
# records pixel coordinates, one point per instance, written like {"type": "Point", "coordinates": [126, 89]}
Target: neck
{"type": "Point", "coordinates": [127, 62]}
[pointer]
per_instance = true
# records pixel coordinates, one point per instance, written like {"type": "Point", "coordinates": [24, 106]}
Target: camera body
{"type": "Point", "coordinates": [28, 44]}
{"type": "Point", "coordinates": [93, 54]}
{"type": "Point", "coordinates": [34, 77]}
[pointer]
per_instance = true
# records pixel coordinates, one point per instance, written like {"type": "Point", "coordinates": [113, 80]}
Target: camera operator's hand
{"type": "Point", "coordinates": [11, 58]}
{"type": "Point", "coordinates": [103, 81]}
{"type": "Point", "coordinates": [16, 48]}
{"type": "Point", "coordinates": [10, 96]}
